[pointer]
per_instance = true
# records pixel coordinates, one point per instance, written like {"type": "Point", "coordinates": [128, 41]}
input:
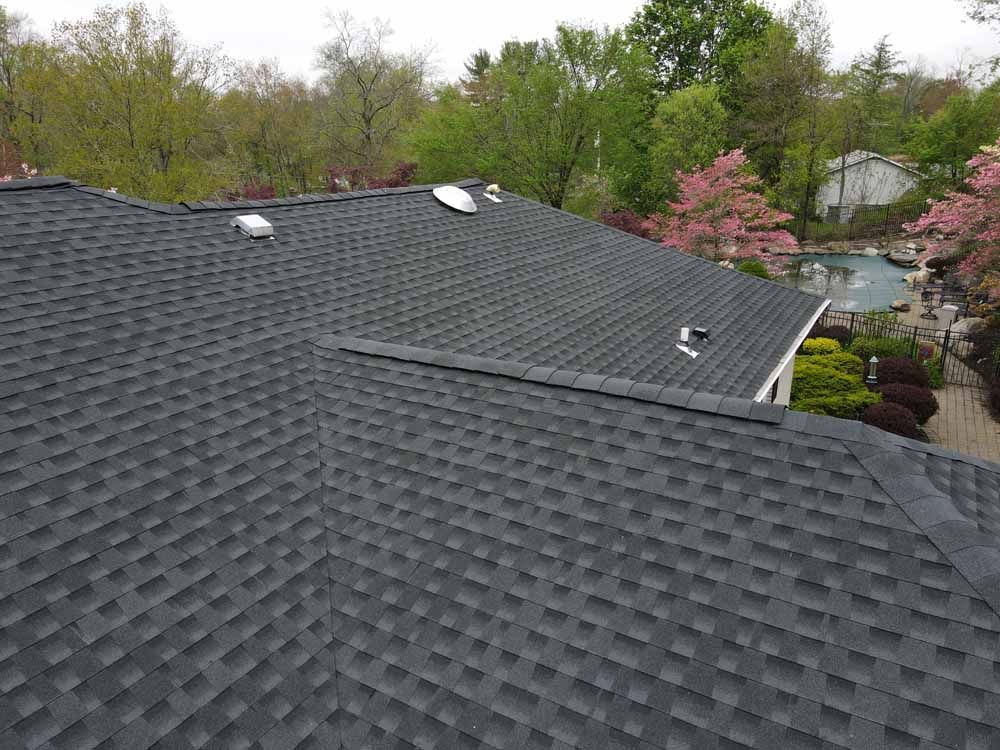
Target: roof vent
{"type": "Point", "coordinates": [456, 198]}
{"type": "Point", "coordinates": [253, 225]}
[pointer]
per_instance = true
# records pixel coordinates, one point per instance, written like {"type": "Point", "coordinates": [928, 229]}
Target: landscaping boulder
{"type": "Point", "coordinates": [870, 252]}
{"type": "Point", "coordinates": [918, 277]}
{"type": "Point", "coordinates": [902, 259]}
{"type": "Point", "coordinates": [968, 325]}
{"type": "Point", "coordinates": [900, 305]}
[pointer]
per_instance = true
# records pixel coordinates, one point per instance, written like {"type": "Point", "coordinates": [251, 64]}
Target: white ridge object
{"type": "Point", "coordinates": [685, 334]}
{"type": "Point", "coordinates": [492, 192]}
{"type": "Point", "coordinates": [253, 225]}
{"type": "Point", "coordinates": [687, 350]}
{"type": "Point", "coordinates": [455, 197]}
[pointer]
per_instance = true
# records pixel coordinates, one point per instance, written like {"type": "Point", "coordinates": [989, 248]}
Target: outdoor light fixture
{"type": "Point", "coordinates": [872, 378]}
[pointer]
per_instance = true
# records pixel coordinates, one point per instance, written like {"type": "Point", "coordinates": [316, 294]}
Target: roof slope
{"type": "Point", "coordinates": [529, 558]}
{"type": "Point", "coordinates": [856, 157]}
{"type": "Point", "coordinates": [83, 269]}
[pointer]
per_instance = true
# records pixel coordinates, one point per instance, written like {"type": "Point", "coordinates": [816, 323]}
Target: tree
{"type": "Point", "coordinates": [689, 131]}
{"type": "Point", "coordinates": [970, 220]}
{"type": "Point", "coordinates": [871, 75]}
{"type": "Point", "coordinates": [718, 216]}
{"type": "Point", "coordinates": [268, 122]}
{"type": "Point", "coordinates": [552, 108]}
{"type": "Point", "coordinates": [945, 142]}
{"type": "Point", "coordinates": [698, 41]}
{"type": "Point", "coordinates": [133, 105]}
{"type": "Point", "coordinates": [27, 75]}
{"type": "Point", "coordinates": [371, 93]}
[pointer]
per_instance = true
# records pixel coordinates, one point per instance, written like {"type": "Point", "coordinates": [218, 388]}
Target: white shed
{"type": "Point", "coordinates": [868, 179]}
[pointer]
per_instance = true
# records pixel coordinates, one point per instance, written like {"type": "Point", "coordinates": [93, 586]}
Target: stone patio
{"type": "Point", "coordinates": [964, 424]}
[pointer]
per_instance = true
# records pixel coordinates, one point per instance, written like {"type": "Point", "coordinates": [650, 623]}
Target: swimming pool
{"type": "Point", "coordinates": [852, 282]}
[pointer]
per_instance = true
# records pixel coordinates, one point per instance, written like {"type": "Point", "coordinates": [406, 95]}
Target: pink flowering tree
{"type": "Point", "coordinates": [24, 172]}
{"type": "Point", "coordinates": [720, 217]}
{"type": "Point", "coordinates": [969, 221]}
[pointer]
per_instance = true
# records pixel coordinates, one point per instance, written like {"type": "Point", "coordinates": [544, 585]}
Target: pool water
{"type": "Point", "coordinates": [852, 282]}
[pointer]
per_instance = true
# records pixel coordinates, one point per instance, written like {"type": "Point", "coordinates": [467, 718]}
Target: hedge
{"type": "Point", "coordinates": [902, 370]}
{"type": "Point", "coordinates": [820, 389]}
{"type": "Point", "coordinates": [867, 347]}
{"type": "Point", "coordinates": [844, 362]}
{"type": "Point", "coordinates": [920, 401]}
{"type": "Point", "coordinates": [892, 418]}
{"type": "Point", "coordinates": [820, 346]}
{"type": "Point", "coordinates": [753, 268]}
{"type": "Point", "coordinates": [841, 334]}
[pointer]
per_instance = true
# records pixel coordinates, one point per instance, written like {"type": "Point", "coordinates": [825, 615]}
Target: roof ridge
{"type": "Point", "coordinates": [297, 200]}
{"type": "Point", "coordinates": [685, 398]}
{"type": "Point", "coordinates": [975, 554]}
{"type": "Point", "coordinates": [38, 183]}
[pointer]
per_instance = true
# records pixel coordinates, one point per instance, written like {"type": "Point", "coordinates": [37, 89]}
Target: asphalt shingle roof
{"type": "Point", "coordinates": [178, 566]}
{"type": "Point", "coordinates": [520, 564]}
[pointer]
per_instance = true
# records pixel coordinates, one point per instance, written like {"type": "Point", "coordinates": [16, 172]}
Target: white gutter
{"type": "Point", "coordinates": [776, 372]}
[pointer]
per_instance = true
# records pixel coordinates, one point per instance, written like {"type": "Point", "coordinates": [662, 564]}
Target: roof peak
{"type": "Point", "coordinates": [56, 181]}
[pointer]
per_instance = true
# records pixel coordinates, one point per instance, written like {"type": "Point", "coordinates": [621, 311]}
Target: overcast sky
{"type": "Point", "coordinates": [292, 30]}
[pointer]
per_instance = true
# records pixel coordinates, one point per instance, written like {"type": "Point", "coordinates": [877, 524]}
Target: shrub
{"type": "Point", "coordinates": [993, 398]}
{"type": "Point", "coordinates": [844, 405]}
{"type": "Point", "coordinates": [867, 347]}
{"type": "Point", "coordinates": [918, 400]}
{"type": "Point", "coordinates": [841, 334]}
{"type": "Point", "coordinates": [821, 389]}
{"type": "Point", "coordinates": [844, 362]}
{"type": "Point", "coordinates": [902, 370]}
{"type": "Point", "coordinates": [935, 375]}
{"type": "Point", "coordinates": [820, 346]}
{"type": "Point", "coordinates": [892, 418]}
{"type": "Point", "coordinates": [753, 268]}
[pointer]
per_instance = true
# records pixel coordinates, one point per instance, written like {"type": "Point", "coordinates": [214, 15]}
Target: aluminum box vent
{"type": "Point", "coordinates": [253, 225]}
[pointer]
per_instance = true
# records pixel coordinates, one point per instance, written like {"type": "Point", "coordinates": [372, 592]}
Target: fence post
{"type": "Point", "coordinates": [944, 348]}
{"type": "Point", "coordinates": [885, 223]}
{"type": "Point", "coordinates": [850, 336]}
{"type": "Point", "coordinates": [913, 346]}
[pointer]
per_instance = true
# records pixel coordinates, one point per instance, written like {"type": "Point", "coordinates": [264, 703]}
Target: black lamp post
{"type": "Point", "coordinates": [872, 378]}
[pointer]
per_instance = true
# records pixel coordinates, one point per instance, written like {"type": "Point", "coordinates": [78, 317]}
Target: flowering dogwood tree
{"type": "Point", "coordinates": [719, 217]}
{"type": "Point", "coordinates": [24, 173]}
{"type": "Point", "coordinates": [969, 221]}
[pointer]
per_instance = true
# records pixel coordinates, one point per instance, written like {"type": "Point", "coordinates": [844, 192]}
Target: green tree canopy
{"type": "Point", "coordinates": [698, 41]}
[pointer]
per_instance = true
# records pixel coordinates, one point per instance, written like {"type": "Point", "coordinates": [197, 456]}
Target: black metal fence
{"type": "Point", "coordinates": [965, 359]}
{"type": "Point", "coordinates": [864, 222]}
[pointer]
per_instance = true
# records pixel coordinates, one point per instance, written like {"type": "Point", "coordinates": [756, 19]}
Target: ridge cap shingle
{"type": "Point", "coordinates": [973, 553]}
{"type": "Point", "coordinates": [709, 403]}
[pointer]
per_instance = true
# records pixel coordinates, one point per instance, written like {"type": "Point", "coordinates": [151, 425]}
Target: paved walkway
{"type": "Point", "coordinates": [963, 423]}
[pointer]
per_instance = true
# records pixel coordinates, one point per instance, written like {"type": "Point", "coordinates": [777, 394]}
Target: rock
{"type": "Point", "coordinates": [906, 260]}
{"type": "Point", "coordinates": [917, 277]}
{"type": "Point", "coordinates": [883, 251]}
{"type": "Point", "coordinates": [727, 264]}
{"type": "Point", "coordinates": [968, 325]}
{"type": "Point", "coordinates": [856, 251]}
{"type": "Point", "coordinates": [870, 252]}
{"type": "Point", "coordinates": [900, 305]}
{"type": "Point", "coordinates": [913, 246]}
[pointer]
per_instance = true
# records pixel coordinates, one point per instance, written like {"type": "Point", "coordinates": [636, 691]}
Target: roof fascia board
{"type": "Point", "coordinates": [776, 372]}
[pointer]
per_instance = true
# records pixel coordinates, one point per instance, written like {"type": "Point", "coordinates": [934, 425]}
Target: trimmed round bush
{"type": "Point", "coordinates": [867, 347]}
{"type": "Point", "coordinates": [902, 370]}
{"type": "Point", "coordinates": [841, 334]}
{"type": "Point", "coordinates": [918, 400]}
{"type": "Point", "coordinates": [892, 418]}
{"type": "Point", "coordinates": [820, 346]}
